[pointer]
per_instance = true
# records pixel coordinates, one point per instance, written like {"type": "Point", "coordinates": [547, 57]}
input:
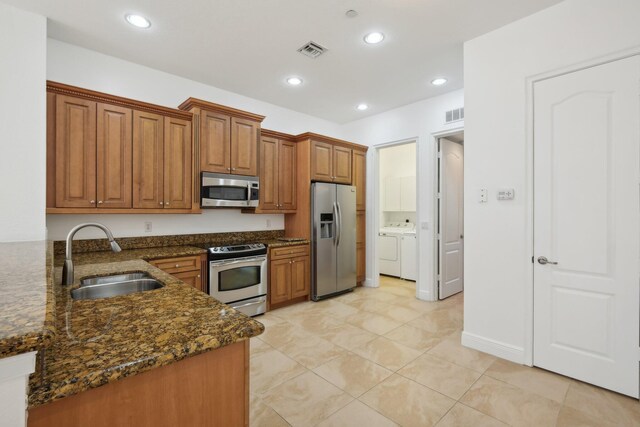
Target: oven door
{"type": "Point", "coordinates": [238, 279]}
{"type": "Point", "coordinates": [228, 191]}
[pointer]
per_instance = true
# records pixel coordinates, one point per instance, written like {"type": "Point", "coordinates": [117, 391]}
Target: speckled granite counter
{"type": "Point", "coordinates": [104, 340]}
{"type": "Point", "coordinates": [27, 305]}
{"type": "Point", "coordinates": [145, 254]}
{"type": "Point", "coordinates": [280, 243]}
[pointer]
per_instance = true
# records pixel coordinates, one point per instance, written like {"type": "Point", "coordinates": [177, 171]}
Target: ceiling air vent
{"type": "Point", "coordinates": [312, 50]}
{"type": "Point", "coordinates": [454, 115]}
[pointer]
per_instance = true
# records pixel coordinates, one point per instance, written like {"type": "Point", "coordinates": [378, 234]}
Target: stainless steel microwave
{"type": "Point", "coordinates": [228, 191]}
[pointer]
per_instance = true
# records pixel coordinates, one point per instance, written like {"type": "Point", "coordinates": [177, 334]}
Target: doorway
{"type": "Point", "coordinates": [397, 213]}
{"type": "Point", "coordinates": [450, 215]}
{"type": "Point", "coordinates": [586, 245]}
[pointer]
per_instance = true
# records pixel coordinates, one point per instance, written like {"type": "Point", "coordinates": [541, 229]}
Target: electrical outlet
{"type": "Point", "coordinates": [483, 196]}
{"type": "Point", "coordinates": [148, 226]}
{"type": "Point", "coordinates": [268, 223]}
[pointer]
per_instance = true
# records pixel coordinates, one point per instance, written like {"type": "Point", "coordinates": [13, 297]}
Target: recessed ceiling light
{"type": "Point", "coordinates": [439, 81]}
{"type": "Point", "coordinates": [373, 38]}
{"type": "Point", "coordinates": [294, 81]}
{"type": "Point", "coordinates": [362, 107]}
{"type": "Point", "coordinates": [351, 13]}
{"type": "Point", "coordinates": [138, 21]}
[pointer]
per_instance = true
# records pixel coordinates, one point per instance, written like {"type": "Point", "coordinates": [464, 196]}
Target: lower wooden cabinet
{"type": "Point", "coordinates": [192, 270]}
{"type": "Point", "coordinates": [289, 275]}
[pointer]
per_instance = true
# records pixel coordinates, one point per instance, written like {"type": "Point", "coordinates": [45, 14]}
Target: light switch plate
{"type": "Point", "coordinates": [506, 194]}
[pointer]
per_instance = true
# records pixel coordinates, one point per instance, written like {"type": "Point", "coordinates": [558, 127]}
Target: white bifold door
{"type": "Point", "coordinates": [586, 225]}
{"type": "Point", "coordinates": [451, 219]}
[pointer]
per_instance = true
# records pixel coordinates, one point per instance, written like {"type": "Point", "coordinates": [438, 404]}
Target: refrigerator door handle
{"type": "Point", "coordinates": [339, 233]}
{"type": "Point", "coordinates": [335, 221]}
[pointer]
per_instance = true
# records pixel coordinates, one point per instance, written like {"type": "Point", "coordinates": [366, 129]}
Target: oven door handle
{"type": "Point", "coordinates": [261, 301]}
{"type": "Point", "coordinates": [239, 261]}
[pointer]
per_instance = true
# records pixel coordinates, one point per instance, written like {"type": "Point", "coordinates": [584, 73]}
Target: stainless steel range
{"type": "Point", "coordinates": [238, 276]}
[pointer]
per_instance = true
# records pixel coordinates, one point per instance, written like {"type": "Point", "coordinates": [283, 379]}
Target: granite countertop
{"type": "Point", "coordinates": [27, 303]}
{"type": "Point", "coordinates": [280, 243]}
{"type": "Point", "coordinates": [145, 254]}
{"type": "Point", "coordinates": [104, 340]}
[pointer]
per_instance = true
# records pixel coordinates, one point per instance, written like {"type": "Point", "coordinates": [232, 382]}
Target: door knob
{"type": "Point", "coordinates": [543, 260]}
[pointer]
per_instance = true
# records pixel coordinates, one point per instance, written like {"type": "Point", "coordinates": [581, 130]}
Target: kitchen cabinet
{"type": "Point", "coordinates": [208, 389]}
{"type": "Point", "coordinates": [289, 275]}
{"type": "Point", "coordinates": [278, 157]}
{"type": "Point", "coordinates": [75, 135]}
{"type": "Point", "coordinates": [330, 163]}
{"type": "Point", "coordinates": [190, 269]}
{"type": "Point", "coordinates": [400, 194]}
{"type": "Point", "coordinates": [114, 155]}
{"type": "Point", "coordinates": [227, 139]}
{"type": "Point", "coordinates": [359, 181]}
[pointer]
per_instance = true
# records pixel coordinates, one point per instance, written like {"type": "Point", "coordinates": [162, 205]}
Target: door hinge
{"type": "Point", "coordinates": [438, 195]}
{"type": "Point", "coordinates": [438, 236]}
{"type": "Point", "coordinates": [439, 154]}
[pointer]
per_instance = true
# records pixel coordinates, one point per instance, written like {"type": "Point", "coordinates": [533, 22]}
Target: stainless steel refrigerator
{"type": "Point", "coordinates": [333, 239]}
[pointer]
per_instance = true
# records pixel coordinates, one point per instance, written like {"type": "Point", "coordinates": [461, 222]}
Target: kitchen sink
{"type": "Point", "coordinates": [111, 286]}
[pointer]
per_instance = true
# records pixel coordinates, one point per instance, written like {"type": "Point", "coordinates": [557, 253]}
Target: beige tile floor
{"type": "Point", "coordinates": [380, 357]}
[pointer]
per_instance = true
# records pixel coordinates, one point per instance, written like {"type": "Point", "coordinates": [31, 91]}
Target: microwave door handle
{"type": "Point", "coordinates": [248, 193]}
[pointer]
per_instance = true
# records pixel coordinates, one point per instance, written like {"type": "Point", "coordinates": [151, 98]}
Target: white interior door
{"type": "Point", "coordinates": [586, 216]}
{"type": "Point", "coordinates": [451, 222]}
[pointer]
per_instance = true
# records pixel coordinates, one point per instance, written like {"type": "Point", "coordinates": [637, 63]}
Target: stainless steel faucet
{"type": "Point", "coordinates": [67, 270]}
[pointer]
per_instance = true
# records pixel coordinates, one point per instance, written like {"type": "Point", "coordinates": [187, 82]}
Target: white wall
{"type": "Point", "coordinates": [23, 52]}
{"type": "Point", "coordinates": [417, 121]}
{"type": "Point", "coordinates": [498, 250]}
{"type": "Point", "coordinates": [77, 66]}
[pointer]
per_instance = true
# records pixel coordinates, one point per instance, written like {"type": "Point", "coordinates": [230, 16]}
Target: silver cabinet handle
{"type": "Point", "coordinates": [161, 203]}
{"type": "Point", "coordinates": [93, 202]}
{"type": "Point", "coordinates": [233, 169]}
{"type": "Point", "coordinates": [543, 260]}
{"type": "Point", "coordinates": [99, 202]}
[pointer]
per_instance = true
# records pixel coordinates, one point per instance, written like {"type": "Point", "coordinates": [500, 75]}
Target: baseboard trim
{"type": "Point", "coordinates": [368, 283]}
{"type": "Point", "coordinates": [496, 348]}
{"type": "Point", "coordinates": [424, 295]}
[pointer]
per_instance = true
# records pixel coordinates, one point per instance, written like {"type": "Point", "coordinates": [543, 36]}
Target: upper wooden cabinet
{"type": "Point", "coordinates": [115, 155]}
{"type": "Point", "coordinates": [75, 152]}
{"type": "Point", "coordinates": [278, 170]}
{"type": "Point", "coordinates": [360, 178]}
{"type": "Point", "coordinates": [227, 138]}
{"type": "Point", "coordinates": [330, 163]}
{"type": "Point", "coordinates": [114, 163]}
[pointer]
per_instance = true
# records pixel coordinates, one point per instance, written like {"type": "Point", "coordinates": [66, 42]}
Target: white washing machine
{"type": "Point", "coordinates": [390, 242]}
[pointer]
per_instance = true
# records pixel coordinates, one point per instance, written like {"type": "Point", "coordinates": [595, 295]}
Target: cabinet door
{"type": "Point", "coordinates": [215, 140]}
{"type": "Point", "coordinates": [287, 175]}
{"type": "Point", "coordinates": [341, 165]}
{"type": "Point", "coordinates": [280, 281]}
{"type": "Point", "coordinates": [191, 278]}
{"type": "Point", "coordinates": [244, 147]}
{"type": "Point", "coordinates": [177, 163]}
{"type": "Point", "coordinates": [300, 277]}
{"type": "Point", "coordinates": [75, 153]}
{"type": "Point", "coordinates": [114, 164]}
{"type": "Point", "coordinates": [148, 160]}
{"type": "Point", "coordinates": [408, 194]}
{"type": "Point", "coordinates": [321, 162]}
{"type": "Point", "coordinates": [360, 178]}
{"type": "Point", "coordinates": [269, 173]}
{"type": "Point", "coordinates": [361, 262]}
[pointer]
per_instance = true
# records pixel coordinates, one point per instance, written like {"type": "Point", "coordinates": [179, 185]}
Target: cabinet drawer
{"type": "Point", "coordinates": [289, 251]}
{"type": "Point", "coordinates": [177, 265]}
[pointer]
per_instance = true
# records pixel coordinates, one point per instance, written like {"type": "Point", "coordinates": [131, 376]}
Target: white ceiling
{"type": "Point", "coordinates": [249, 46]}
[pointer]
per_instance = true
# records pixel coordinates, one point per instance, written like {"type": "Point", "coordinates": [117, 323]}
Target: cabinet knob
{"type": "Point", "coordinates": [177, 265]}
{"type": "Point", "coordinates": [166, 204]}
{"type": "Point", "coordinates": [198, 276]}
{"type": "Point", "coordinates": [233, 169]}
{"type": "Point", "coordinates": [161, 203]}
{"type": "Point", "coordinates": [99, 202]}
{"type": "Point", "coordinates": [93, 202]}
{"type": "Point", "coordinates": [228, 169]}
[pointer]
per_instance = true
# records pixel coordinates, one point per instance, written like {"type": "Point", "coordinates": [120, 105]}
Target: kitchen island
{"type": "Point", "coordinates": [169, 356]}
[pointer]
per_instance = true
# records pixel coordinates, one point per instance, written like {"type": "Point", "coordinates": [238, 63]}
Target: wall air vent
{"type": "Point", "coordinates": [454, 115]}
{"type": "Point", "coordinates": [312, 50]}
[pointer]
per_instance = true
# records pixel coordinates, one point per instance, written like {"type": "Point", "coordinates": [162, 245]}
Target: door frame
{"type": "Point", "coordinates": [436, 214]}
{"type": "Point", "coordinates": [529, 178]}
{"type": "Point", "coordinates": [374, 220]}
